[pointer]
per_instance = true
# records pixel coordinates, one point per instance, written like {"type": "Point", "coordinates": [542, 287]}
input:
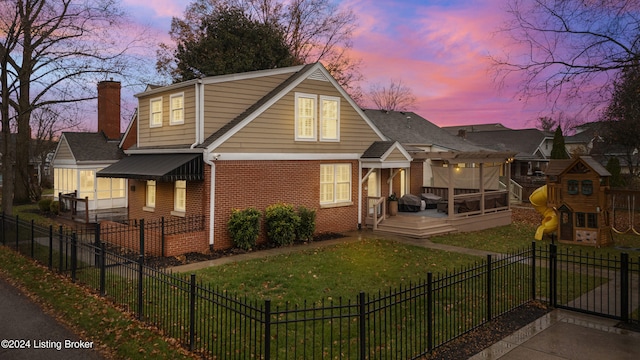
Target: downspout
{"type": "Point", "coordinates": [360, 195]}
{"type": "Point", "coordinates": [212, 198]}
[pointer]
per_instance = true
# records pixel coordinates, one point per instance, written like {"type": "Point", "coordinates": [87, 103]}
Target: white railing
{"type": "Point", "coordinates": [515, 190]}
{"type": "Point", "coordinates": [377, 208]}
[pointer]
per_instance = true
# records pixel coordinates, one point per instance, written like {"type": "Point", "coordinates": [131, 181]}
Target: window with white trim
{"type": "Point", "coordinates": [155, 112]}
{"type": "Point", "coordinates": [177, 109]}
{"type": "Point", "coordinates": [335, 183]}
{"type": "Point", "coordinates": [329, 118]}
{"type": "Point", "coordinates": [305, 113]}
{"type": "Point", "coordinates": [180, 196]}
{"type": "Point", "coordinates": [151, 194]}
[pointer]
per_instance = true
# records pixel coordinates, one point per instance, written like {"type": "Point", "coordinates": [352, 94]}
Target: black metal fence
{"type": "Point", "coordinates": [404, 323]}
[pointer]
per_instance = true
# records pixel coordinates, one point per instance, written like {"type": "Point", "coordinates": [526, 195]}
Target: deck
{"type": "Point", "coordinates": [427, 223]}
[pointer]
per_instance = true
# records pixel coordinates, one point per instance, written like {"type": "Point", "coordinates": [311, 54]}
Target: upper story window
{"type": "Point", "coordinates": [307, 113]}
{"type": "Point", "coordinates": [572, 187]}
{"type": "Point", "coordinates": [177, 109]}
{"type": "Point", "coordinates": [587, 187]}
{"type": "Point", "coordinates": [155, 118]}
{"type": "Point", "coordinates": [305, 109]}
{"type": "Point", "coordinates": [329, 118]}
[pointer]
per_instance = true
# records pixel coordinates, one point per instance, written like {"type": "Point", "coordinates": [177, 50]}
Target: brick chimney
{"type": "Point", "coordinates": [109, 109]}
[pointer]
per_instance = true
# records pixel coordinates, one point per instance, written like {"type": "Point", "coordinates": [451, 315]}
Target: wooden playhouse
{"type": "Point", "coordinates": [577, 191]}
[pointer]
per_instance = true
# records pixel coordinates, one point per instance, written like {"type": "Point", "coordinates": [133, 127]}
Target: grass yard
{"type": "Point", "coordinates": [344, 270]}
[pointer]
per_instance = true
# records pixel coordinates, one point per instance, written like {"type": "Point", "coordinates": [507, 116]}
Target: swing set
{"type": "Point", "coordinates": [631, 209]}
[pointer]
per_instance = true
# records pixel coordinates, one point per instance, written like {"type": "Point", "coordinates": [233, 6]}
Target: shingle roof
{"type": "Point", "coordinates": [557, 167]}
{"type": "Point", "coordinates": [92, 146]}
{"type": "Point", "coordinates": [409, 128]}
{"type": "Point", "coordinates": [377, 149]}
{"type": "Point", "coordinates": [524, 142]}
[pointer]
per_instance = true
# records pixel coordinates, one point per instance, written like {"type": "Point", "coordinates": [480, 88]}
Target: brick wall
{"type": "Point", "coordinates": [242, 184]}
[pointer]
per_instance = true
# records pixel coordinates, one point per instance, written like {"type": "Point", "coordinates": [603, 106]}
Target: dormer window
{"type": "Point", "coordinates": [307, 113]}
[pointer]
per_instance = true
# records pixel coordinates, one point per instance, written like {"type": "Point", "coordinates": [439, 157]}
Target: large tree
{"type": "Point", "coordinates": [394, 96]}
{"type": "Point", "coordinates": [52, 53]}
{"type": "Point", "coordinates": [314, 30]}
{"type": "Point", "coordinates": [570, 48]}
{"type": "Point", "coordinates": [230, 42]}
{"type": "Point", "coordinates": [622, 118]}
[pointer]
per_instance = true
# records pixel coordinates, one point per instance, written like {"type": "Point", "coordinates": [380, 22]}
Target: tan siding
{"type": "Point", "coordinates": [167, 135]}
{"type": "Point", "coordinates": [224, 101]}
{"type": "Point", "coordinates": [396, 155]}
{"type": "Point", "coordinates": [273, 131]}
{"type": "Point", "coordinates": [64, 152]}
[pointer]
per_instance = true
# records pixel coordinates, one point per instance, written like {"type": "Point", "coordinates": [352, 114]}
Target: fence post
{"type": "Point", "coordinates": [140, 287]}
{"type": "Point", "coordinates": [624, 286]}
{"type": "Point", "coordinates": [50, 247]}
{"type": "Point", "coordinates": [533, 270]}
{"type": "Point", "coordinates": [142, 238]}
{"type": "Point", "coordinates": [267, 329]}
{"type": "Point", "coordinates": [429, 311]}
{"type": "Point", "coordinates": [192, 314]}
{"type": "Point", "coordinates": [162, 235]}
{"type": "Point", "coordinates": [489, 289]}
{"type": "Point", "coordinates": [363, 328]}
{"type": "Point", "coordinates": [33, 238]}
{"type": "Point", "coordinates": [60, 253]}
{"type": "Point", "coordinates": [553, 262]}
{"type": "Point", "coordinates": [103, 268]}
{"type": "Point", "coordinates": [97, 245]}
{"type": "Point", "coordinates": [74, 256]}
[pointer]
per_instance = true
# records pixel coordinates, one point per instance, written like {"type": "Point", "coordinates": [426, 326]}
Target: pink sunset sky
{"type": "Point", "coordinates": [438, 48]}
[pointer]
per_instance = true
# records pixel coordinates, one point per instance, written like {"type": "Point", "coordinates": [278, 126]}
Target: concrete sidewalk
{"type": "Point", "coordinates": [565, 334]}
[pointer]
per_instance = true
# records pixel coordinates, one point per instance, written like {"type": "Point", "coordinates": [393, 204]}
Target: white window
{"type": "Point", "coordinates": [177, 109]}
{"type": "Point", "coordinates": [155, 106]}
{"type": "Point", "coordinates": [305, 112]}
{"type": "Point", "coordinates": [180, 195]}
{"type": "Point", "coordinates": [329, 118]}
{"type": "Point", "coordinates": [335, 183]}
{"type": "Point", "coordinates": [151, 194]}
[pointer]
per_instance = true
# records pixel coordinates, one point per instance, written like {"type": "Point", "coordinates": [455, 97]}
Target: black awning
{"type": "Point", "coordinates": [159, 167]}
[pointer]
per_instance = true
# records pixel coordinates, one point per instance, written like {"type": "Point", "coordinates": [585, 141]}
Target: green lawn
{"type": "Point", "coordinates": [344, 270]}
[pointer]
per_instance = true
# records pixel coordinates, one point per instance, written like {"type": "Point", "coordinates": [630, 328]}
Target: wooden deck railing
{"type": "Point", "coordinates": [374, 207]}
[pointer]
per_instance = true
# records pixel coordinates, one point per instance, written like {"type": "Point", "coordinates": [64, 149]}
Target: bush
{"type": "Point", "coordinates": [282, 222]}
{"type": "Point", "coordinates": [307, 226]}
{"type": "Point", "coordinates": [54, 207]}
{"type": "Point", "coordinates": [244, 227]}
{"type": "Point", "coordinates": [45, 205]}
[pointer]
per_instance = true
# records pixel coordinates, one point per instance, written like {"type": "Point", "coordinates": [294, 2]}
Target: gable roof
{"type": "Point", "coordinates": [316, 70]}
{"type": "Point", "coordinates": [557, 167]}
{"type": "Point", "coordinates": [93, 147]}
{"type": "Point", "coordinates": [409, 128]}
{"type": "Point", "coordinates": [524, 142]}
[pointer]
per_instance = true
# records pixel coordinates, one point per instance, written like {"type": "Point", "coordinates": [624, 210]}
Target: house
{"type": "Point", "coordinates": [207, 146]}
{"type": "Point", "coordinates": [80, 155]}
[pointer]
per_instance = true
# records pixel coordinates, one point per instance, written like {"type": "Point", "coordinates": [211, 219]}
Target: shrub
{"type": "Point", "coordinates": [307, 226]}
{"type": "Point", "coordinates": [244, 227]}
{"type": "Point", "coordinates": [282, 222]}
{"type": "Point", "coordinates": [54, 207]}
{"type": "Point", "coordinates": [45, 205]}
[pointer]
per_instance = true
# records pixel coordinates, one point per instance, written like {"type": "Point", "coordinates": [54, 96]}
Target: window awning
{"type": "Point", "coordinates": [159, 167]}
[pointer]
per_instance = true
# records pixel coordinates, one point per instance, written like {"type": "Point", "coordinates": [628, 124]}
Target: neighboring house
{"type": "Point", "coordinates": [208, 146]}
{"type": "Point", "coordinates": [79, 155]}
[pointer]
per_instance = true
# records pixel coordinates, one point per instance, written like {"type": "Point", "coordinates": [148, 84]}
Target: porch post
{"type": "Point", "coordinates": [451, 193]}
{"type": "Point", "coordinates": [507, 172]}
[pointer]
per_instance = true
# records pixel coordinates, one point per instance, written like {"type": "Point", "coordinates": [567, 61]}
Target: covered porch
{"type": "Point", "coordinates": [464, 190]}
